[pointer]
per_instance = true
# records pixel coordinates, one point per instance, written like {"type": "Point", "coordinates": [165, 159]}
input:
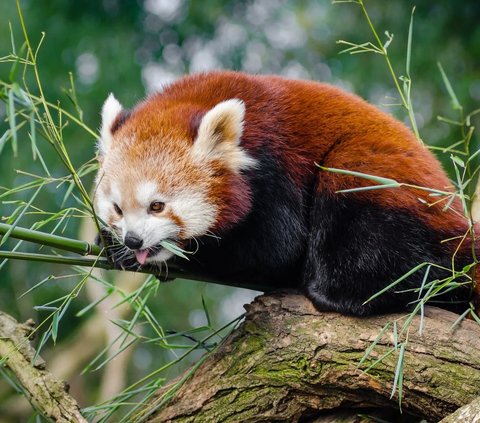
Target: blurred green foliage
{"type": "Point", "coordinates": [133, 47]}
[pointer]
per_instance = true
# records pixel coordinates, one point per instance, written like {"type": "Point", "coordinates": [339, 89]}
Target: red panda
{"type": "Point", "coordinates": [229, 165]}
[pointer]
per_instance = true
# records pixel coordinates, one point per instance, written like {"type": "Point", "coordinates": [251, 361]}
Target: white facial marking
{"type": "Point", "coordinates": [150, 228]}
{"type": "Point", "coordinates": [190, 204]}
{"type": "Point", "coordinates": [197, 214]}
{"type": "Point", "coordinates": [146, 192]}
{"type": "Point", "coordinates": [161, 256]}
{"type": "Point", "coordinates": [116, 194]}
{"type": "Point", "coordinates": [103, 205]}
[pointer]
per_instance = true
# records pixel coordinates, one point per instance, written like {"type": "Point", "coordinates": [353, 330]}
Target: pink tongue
{"type": "Point", "coordinates": [141, 256]}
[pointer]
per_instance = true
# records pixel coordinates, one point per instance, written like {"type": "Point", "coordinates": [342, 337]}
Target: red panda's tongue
{"type": "Point", "coordinates": [141, 256]}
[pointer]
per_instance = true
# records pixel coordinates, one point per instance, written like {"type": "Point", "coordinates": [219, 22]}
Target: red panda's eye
{"type": "Point", "coordinates": [157, 206]}
{"type": "Point", "coordinates": [117, 209]}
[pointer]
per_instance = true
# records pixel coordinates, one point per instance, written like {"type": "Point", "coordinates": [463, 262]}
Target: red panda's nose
{"type": "Point", "coordinates": [133, 241]}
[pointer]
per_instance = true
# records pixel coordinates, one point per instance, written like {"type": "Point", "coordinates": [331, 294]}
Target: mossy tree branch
{"type": "Point", "coordinates": [48, 395]}
{"type": "Point", "coordinates": [466, 414]}
{"type": "Point", "coordinates": [288, 362]}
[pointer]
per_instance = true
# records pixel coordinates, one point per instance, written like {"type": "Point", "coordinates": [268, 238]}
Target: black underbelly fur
{"type": "Point", "coordinates": [356, 249]}
{"type": "Point", "coordinates": [352, 250]}
{"type": "Point", "coordinates": [338, 250]}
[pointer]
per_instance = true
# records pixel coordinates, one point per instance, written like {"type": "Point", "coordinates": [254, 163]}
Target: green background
{"type": "Point", "coordinates": [132, 48]}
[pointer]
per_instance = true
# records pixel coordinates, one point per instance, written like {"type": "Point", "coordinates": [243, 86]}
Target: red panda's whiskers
{"type": "Point", "coordinates": [197, 245]}
{"type": "Point", "coordinates": [124, 253]}
{"type": "Point", "coordinates": [166, 270]}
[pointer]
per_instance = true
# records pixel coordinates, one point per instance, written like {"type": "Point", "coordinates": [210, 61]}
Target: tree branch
{"type": "Point", "coordinates": [469, 413]}
{"type": "Point", "coordinates": [288, 362]}
{"type": "Point", "coordinates": [47, 394]}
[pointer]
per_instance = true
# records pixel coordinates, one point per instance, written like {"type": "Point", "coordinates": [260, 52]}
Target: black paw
{"type": "Point", "coordinates": [116, 252]}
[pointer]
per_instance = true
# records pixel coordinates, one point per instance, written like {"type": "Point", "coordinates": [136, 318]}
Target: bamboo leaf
{"type": "Point", "coordinates": [4, 139]}
{"type": "Point", "coordinates": [424, 280]}
{"type": "Point", "coordinates": [93, 304]}
{"type": "Point", "coordinates": [37, 285]}
{"type": "Point", "coordinates": [409, 44]}
{"type": "Point", "coordinates": [41, 344]}
{"type": "Point", "coordinates": [475, 316]}
{"type": "Point", "coordinates": [388, 42]}
{"type": "Point", "coordinates": [12, 40]}
{"type": "Point", "coordinates": [207, 314]}
{"type": "Point", "coordinates": [174, 248]}
{"type": "Point", "coordinates": [33, 135]}
{"type": "Point", "coordinates": [11, 228]}
{"type": "Point", "coordinates": [373, 344]}
{"type": "Point", "coordinates": [396, 282]}
{"type": "Point", "coordinates": [54, 332]}
{"type": "Point", "coordinates": [460, 319]}
{"type": "Point", "coordinates": [395, 334]}
{"type": "Point", "coordinates": [12, 122]}
{"type": "Point", "coordinates": [380, 359]}
{"type": "Point", "coordinates": [398, 380]}
{"type": "Point", "coordinates": [453, 97]}
{"type": "Point", "coordinates": [369, 188]}
{"type": "Point", "coordinates": [379, 179]}
{"type": "Point", "coordinates": [458, 161]}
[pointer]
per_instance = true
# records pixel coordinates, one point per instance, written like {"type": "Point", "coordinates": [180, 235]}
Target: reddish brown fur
{"type": "Point", "coordinates": [360, 138]}
{"type": "Point", "coordinates": [306, 124]}
{"type": "Point", "coordinates": [177, 220]}
{"type": "Point", "coordinates": [369, 140]}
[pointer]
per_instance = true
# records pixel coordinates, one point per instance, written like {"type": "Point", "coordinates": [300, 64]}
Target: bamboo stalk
{"type": "Point", "coordinates": [73, 245]}
{"type": "Point", "coordinates": [102, 263]}
{"type": "Point", "coordinates": [85, 248]}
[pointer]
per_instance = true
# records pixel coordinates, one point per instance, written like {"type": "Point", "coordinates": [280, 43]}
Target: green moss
{"type": "Point", "coordinates": [238, 405]}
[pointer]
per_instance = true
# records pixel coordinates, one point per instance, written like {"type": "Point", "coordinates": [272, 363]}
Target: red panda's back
{"type": "Point", "coordinates": [307, 124]}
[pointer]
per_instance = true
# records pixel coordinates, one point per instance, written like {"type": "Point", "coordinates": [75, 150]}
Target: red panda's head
{"type": "Point", "coordinates": [171, 172]}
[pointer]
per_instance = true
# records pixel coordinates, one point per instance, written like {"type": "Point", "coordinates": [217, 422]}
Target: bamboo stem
{"type": "Point", "coordinates": [102, 263]}
{"type": "Point", "coordinates": [73, 245]}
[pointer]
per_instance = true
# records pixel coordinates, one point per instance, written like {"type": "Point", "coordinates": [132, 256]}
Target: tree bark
{"type": "Point", "coordinates": [288, 362]}
{"type": "Point", "coordinates": [47, 394]}
{"type": "Point", "coordinates": [466, 414]}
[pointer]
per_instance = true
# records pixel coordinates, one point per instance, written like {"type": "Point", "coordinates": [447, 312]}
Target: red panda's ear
{"type": "Point", "coordinates": [219, 135]}
{"type": "Point", "coordinates": [110, 110]}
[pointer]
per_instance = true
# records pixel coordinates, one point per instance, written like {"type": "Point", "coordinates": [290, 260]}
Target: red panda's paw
{"type": "Point", "coordinates": [121, 257]}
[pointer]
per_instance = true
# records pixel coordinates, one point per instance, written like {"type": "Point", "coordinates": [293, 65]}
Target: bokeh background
{"type": "Point", "coordinates": [134, 47]}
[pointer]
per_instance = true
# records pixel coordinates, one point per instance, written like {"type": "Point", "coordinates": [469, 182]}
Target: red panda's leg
{"type": "Point", "coordinates": [116, 252]}
{"type": "Point", "coordinates": [357, 248]}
